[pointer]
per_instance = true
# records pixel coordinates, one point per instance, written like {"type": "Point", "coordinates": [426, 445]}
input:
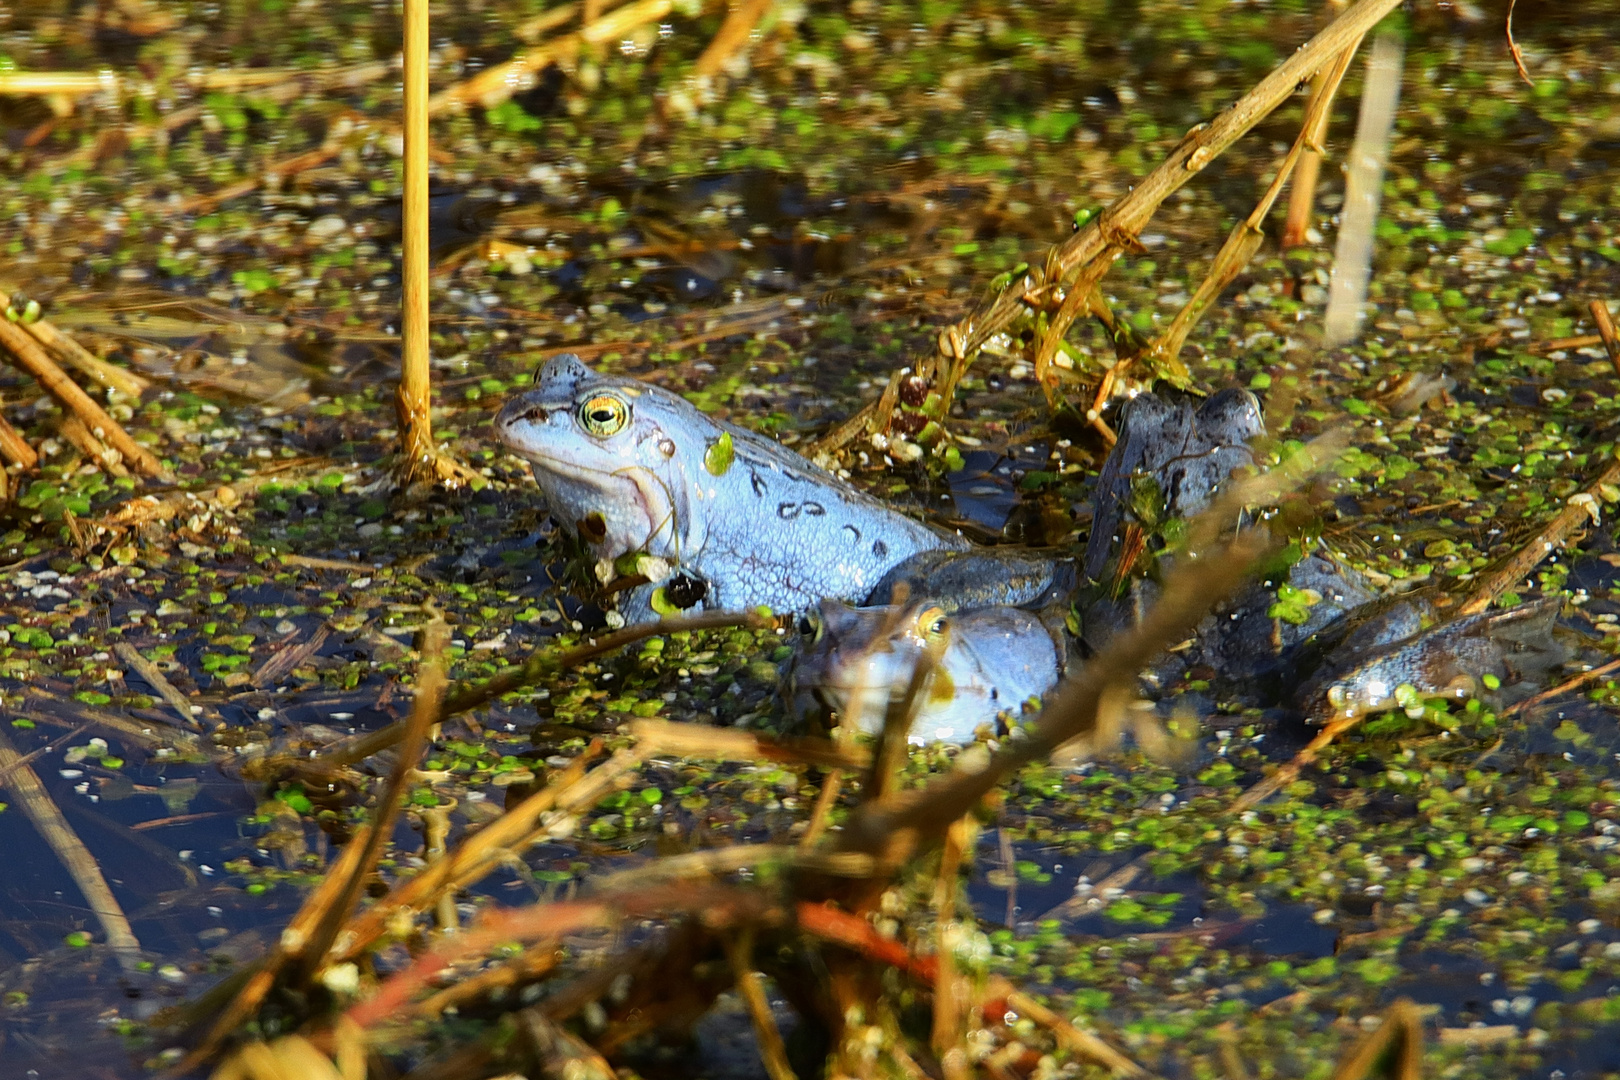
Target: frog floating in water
{"type": "Point", "coordinates": [739, 520]}
{"type": "Point", "coordinates": [984, 662]}
{"type": "Point", "coordinates": [1171, 457]}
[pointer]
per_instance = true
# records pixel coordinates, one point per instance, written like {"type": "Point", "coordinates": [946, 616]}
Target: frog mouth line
{"type": "Point", "coordinates": [652, 498]}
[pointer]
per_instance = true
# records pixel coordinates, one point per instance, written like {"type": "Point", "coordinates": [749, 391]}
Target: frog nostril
{"type": "Point", "coordinates": [536, 415]}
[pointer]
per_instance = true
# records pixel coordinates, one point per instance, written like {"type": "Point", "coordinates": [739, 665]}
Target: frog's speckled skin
{"type": "Point", "coordinates": [988, 661]}
{"type": "Point", "coordinates": [960, 580]}
{"type": "Point", "coordinates": [1450, 660]}
{"type": "Point", "coordinates": [1189, 451]}
{"type": "Point", "coordinates": [758, 524]}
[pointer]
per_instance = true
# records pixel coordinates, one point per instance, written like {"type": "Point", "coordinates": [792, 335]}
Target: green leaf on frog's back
{"type": "Point", "coordinates": [717, 459]}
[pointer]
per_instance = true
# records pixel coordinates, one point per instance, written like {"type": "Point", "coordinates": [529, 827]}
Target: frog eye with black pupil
{"type": "Point", "coordinates": [932, 623]}
{"type": "Point", "coordinates": [604, 415]}
{"type": "Point", "coordinates": [810, 626]}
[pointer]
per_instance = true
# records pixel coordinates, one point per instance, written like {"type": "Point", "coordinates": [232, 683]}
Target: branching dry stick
{"type": "Point", "coordinates": [30, 355]}
{"type": "Point", "coordinates": [1246, 236]}
{"type": "Point", "coordinates": [76, 858]}
{"type": "Point", "coordinates": [111, 376]}
{"type": "Point", "coordinates": [1116, 228]}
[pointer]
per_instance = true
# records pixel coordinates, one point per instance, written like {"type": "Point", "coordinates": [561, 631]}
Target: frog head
{"type": "Point", "coordinates": [604, 451]}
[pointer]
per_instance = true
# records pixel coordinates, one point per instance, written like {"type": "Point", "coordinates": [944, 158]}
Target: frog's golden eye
{"type": "Point", "coordinates": [933, 624]}
{"type": "Point", "coordinates": [811, 627]}
{"type": "Point", "coordinates": [604, 415]}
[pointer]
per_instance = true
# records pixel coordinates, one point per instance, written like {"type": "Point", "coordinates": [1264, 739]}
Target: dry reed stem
{"type": "Point", "coordinates": [717, 906]}
{"type": "Point", "coordinates": [73, 430]}
{"type": "Point", "coordinates": [69, 351]}
{"type": "Point", "coordinates": [532, 30]}
{"type": "Point", "coordinates": [527, 966]}
{"type": "Point", "coordinates": [29, 355]}
{"type": "Point", "coordinates": [732, 38]}
{"type": "Point", "coordinates": [547, 922]}
{"type": "Point", "coordinates": [81, 866]}
{"type": "Point", "coordinates": [1562, 688]}
{"type": "Point", "coordinates": [49, 748]}
{"type": "Point", "coordinates": [287, 166]}
{"type": "Point", "coordinates": [67, 83]}
{"type": "Point", "coordinates": [559, 1054]}
{"type": "Point", "coordinates": [857, 934]}
{"type": "Point", "coordinates": [1396, 1045]}
{"type": "Point", "coordinates": [1513, 46]}
{"type": "Point", "coordinates": [159, 682]}
{"type": "Point", "coordinates": [257, 982]}
{"type": "Point", "coordinates": [719, 744]}
{"type": "Point", "coordinates": [772, 1050]}
{"type": "Point", "coordinates": [421, 461]}
{"type": "Point", "coordinates": [1606, 331]}
{"type": "Point", "coordinates": [826, 799]}
{"type": "Point", "coordinates": [1289, 771]}
{"type": "Point", "coordinates": [1580, 509]}
{"type": "Point", "coordinates": [463, 698]}
{"type": "Point", "coordinates": [951, 989]}
{"type": "Point", "coordinates": [141, 732]}
{"type": "Point", "coordinates": [494, 85]}
{"type": "Point", "coordinates": [1071, 1038]}
{"type": "Point", "coordinates": [728, 860]}
{"type": "Point", "coordinates": [15, 448]}
{"type": "Point", "coordinates": [430, 683]}
{"type": "Point", "coordinates": [890, 753]}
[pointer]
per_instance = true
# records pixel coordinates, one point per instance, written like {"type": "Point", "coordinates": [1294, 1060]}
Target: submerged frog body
{"type": "Point", "coordinates": [1315, 635]}
{"type": "Point", "coordinates": [964, 580]}
{"type": "Point", "coordinates": [631, 467]}
{"type": "Point", "coordinates": [1457, 659]}
{"type": "Point", "coordinates": [987, 663]}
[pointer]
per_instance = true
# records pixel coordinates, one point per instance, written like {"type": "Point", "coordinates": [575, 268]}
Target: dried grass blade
{"type": "Point", "coordinates": [718, 744]}
{"type": "Point", "coordinates": [75, 857]}
{"type": "Point", "coordinates": [476, 853]}
{"type": "Point", "coordinates": [772, 1050]}
{"type": "Point", "coordinates": [1394, 1049]}
{"type": "Point", "coordinates": [159, 682]}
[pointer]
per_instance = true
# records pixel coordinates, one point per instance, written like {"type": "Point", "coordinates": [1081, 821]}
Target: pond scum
{"type": "Point", "coordinates": [820, 905]}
